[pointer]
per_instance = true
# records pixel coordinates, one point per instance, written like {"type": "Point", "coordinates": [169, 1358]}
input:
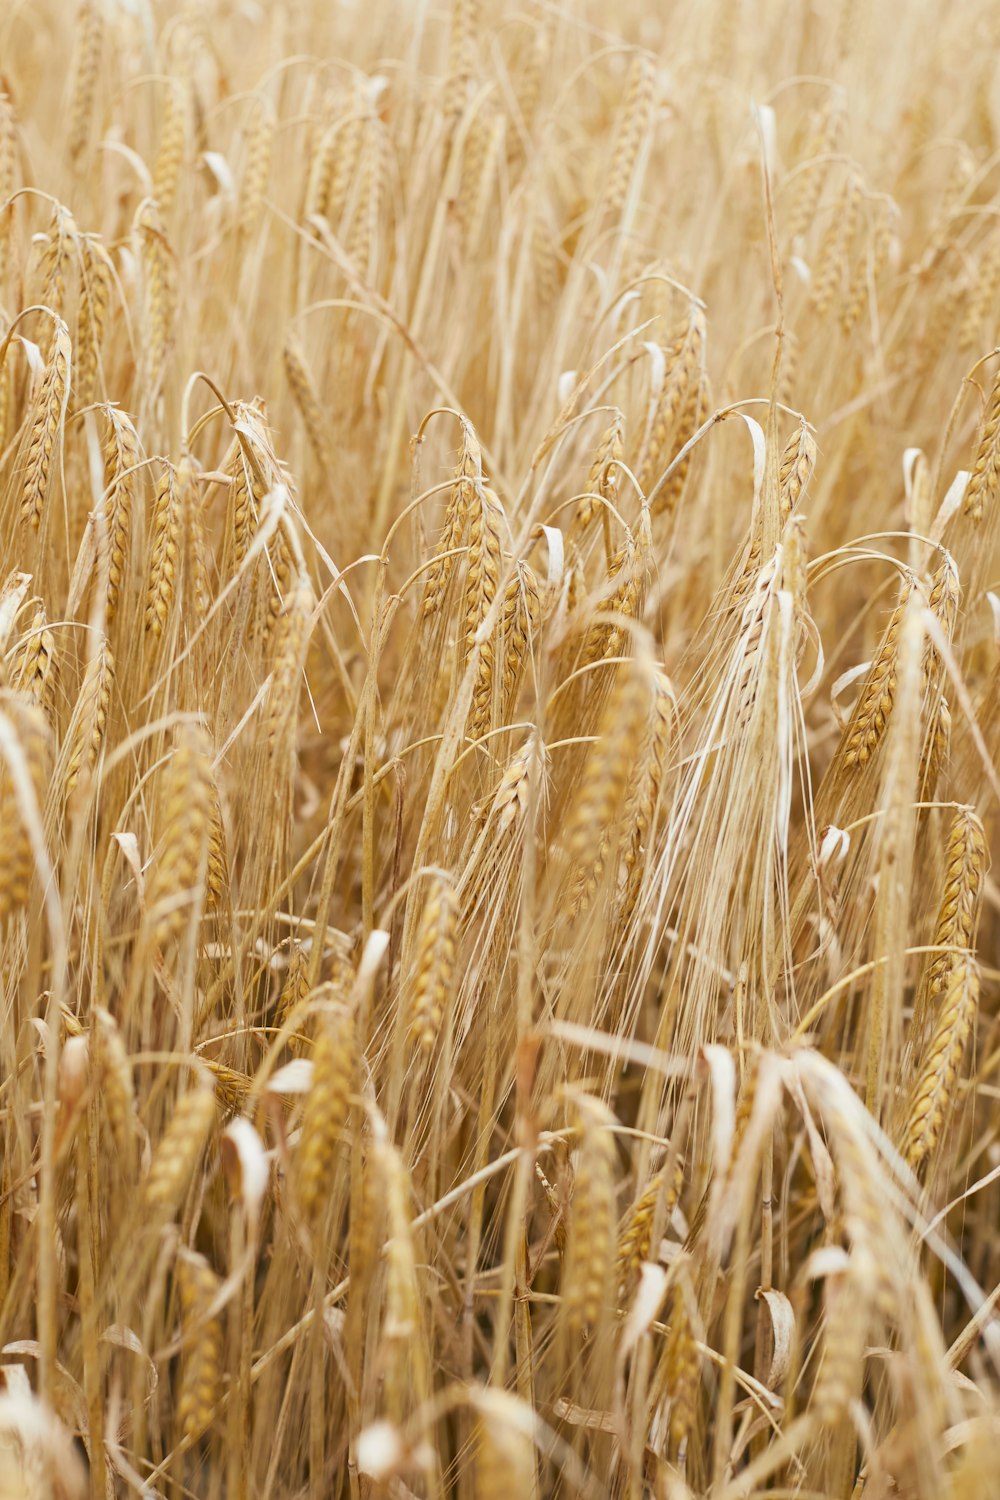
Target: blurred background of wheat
{"type": "Point", "coordinates": [499, 749]}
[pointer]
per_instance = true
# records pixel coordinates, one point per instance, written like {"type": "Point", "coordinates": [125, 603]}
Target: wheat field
{"type": "Point", "coordinates": [499, 749]}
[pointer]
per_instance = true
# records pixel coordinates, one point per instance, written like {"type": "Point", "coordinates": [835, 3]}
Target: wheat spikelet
{"type": "Point", "coordinates": [461, 60]}
{"type": "Point", "coordinates": [6, 395]}
{"type": "Point", "coordinates": [401, 1325]}
{"type": "Point", "coordinates": [435, 963]}
{"type": "Point", "coordinates": [121, 460]}
{"type": "Point", "coordinates": [483, 573]}
{"type": "Point", "coordinates": [193, 532]}
{"type": "Point", "coordinates": [646, 790]}
{"type": "Point", "coordinates": [643, 804]}
{"type": "Point", "coordinates": [961, 897]}
{"type": "Point", "coordinates": [790, 368]}
{"type": "Point", "coordinates": [186, 804]}
{"type": "Point", "coordinates": [8, 144]}
{"type": "Point", "coordinates": [936, 749]}
{"type": "Point", "coordinates": [256, 167]}
{"type": "Point", "coordinates": [8, 172]}
{"type": "Point", "coordinates": [862, 1188]}
{"type": "Point", "coordinates": [294, 992]}
{"type": "Point", "coordinates": [345, 162]}
{"type": "Point", "coordinates": [936, 1083]}
{"type": "Point", "coordinates": [531, 80]}
{"type": "Point", "coordinates": [342, 974]}
{"type": "Point", "coordinates": [323, 155]}
{"type": "Point", "coordinates": [944, 594]}
{"type": "Point", "coordinates": [247, 489]}
{"type": "Point", "coordinates": [749, 649]}
{"type": "Point", "coordinates": [545, 263]}
{"type": "Point", "coordinates": [519, 622]}
{"type": "Point", "coordinates": [850, 1305]}
{"type": "Point", "coordinates": [483, 149]}
{"type": "Point", "coordinates": [216, 863]}
{"type": "Point", "coordinates": [681, 1371]}
{"type": "Point", "coordinates": [738, 1163]}
{"type": "Point", "coordinates": [505, 1451]}
{"type": "Point", "coordinates": [958, 911]}
{"type": "Point", "coordinates": [512, 638]}
{"type": "Point", "coordinates": [943, 600]}
{"type": "Point", "coordinates": [856, 296]}
{"type": "Point", "coordinates": [982, 487]}
{"type": "Point", "coordinates": [635, 1234]}
{"type": "Point", "coordinates": [983, 297]}
{"type": "Point", "coordinates": [575, 586]}
{"type": "Point", "coordinates": [321, 169]}
{"type": "Point", "coordinates": [96, 295]}
{"type": "Point", "coordinates": [874, 706]}
{"type": "Point", "coordinates": [90, 718]}
{"type": "Point", "coordinates": [868, 271]}
{"type": "Point", "coordinates": [633, 125]}
{"type": "Point", "coordinates": [363, 1236]}
{"type": "Point", "coordinates": [159, 302]}
{"type": "Point", "coordinates": [243, 510]}
{"type": "Point", "coordinates": [326, 1110]}
{"type": "Point", "coordinates": [161, 585]}
{"type": "Point", "coordinates": [509, 805]}
{"type": "Point", "coordinates": [824, 130]}
{"type": "Point", "coordinates": [364, 224]}
{"type": "Point", "coordinates": [793, 572]}
{"type": "Point", "coordinates": [692, 416]}
{"type": "Point", "coordinates": [201, 1363]}
{"type": "Point", "coordinates": [50, 409]}
{"type": "Point", "coordinates": [605, 472]}
{"type": "Point", "coordinates": [601, 793]}
{"type": "Point", "coordinates": [231, 1086]}
{"type": "Point", "coordinates": [178, 1152]}
{"type": "Point", "coordinates": [590, 1249]}
{"type": "Point", "coordinates": [291, 642]}
{"type": "Point", "coordinates": [16, 858]}
{"type": "Point", "coordinates": [630, 569]}
{"type": "Point", "coordinates": [830, 276]}
{"type": "Point", "coordinates": [467, 475]}
{"type": "Point", "coordinates": [114, 1074]}
{"type": "Point", "coordinates": [306, 399]}
{"type": "Point", "coordinates": [367, 195]}
{"type": "Point", "coordinates": [33, 664]}
{"type": "Point", "coordinates": [173, 144]}
{"type": "Point", "coordinates": [56, 263]}
{"type": "Point", "coordinates": [678, 394]}
{"type": "Point", "coordinates": [88, 61]}
{"type": "Point", "coordinates": [279, 568]}
{"type": "Point", "coordinates": [795, 467]}
{"type": "Point", "coordinates": [943, 315]}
